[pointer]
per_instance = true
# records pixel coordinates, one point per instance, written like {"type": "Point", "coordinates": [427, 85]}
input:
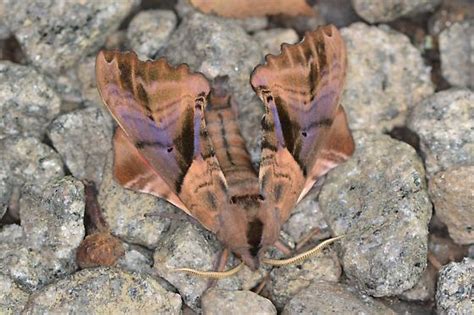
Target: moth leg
{"type": "Point", "coordinates": [308, 237]}
{"type": "Point", "coordinates": [282, 247]}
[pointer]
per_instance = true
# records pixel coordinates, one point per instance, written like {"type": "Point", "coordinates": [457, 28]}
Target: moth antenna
{"type": "Point", "coordinates": [212, 274]}
{"type": "Point", "coordinates": [303, 256]}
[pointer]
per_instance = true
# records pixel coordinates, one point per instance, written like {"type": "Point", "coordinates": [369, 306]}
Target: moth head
{"type": "Point", "coordinates": [248, 228]}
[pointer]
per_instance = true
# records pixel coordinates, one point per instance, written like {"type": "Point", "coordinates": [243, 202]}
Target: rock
{"type": "Point", "coordinates": [218, 301]}
{"type": "Point", "coordinates": [379, 200]}
{"type": "Point", "coordinates": [424, 289]}
{"type": "Point", "coordinates": [454, 291]}
{"type": "Point", "coordinates": [337, 12]}
{"type": "Point", "coordinates": [271, 40]}
{"type": "Point", "coordinates": [385, 77]}
{"type": "Point", "coordinates": [443, 249]}
{"type": "Point", "coordinates": [301, 24]}
{"type": "Point", "coordinates": [136, 259]}
{"type": "Point", "coordinates": [72, 135]}
{"type": "Point", "coordinates": [120, 292]}
{"type": "Point", "coordinates": [134, 217]}
{"type": "Point", "coordinates": [251, 24]}
{"type": "Point", "coordinates": [288, 281]}
{"type": "Point", "coordinates": [12, 299]}
{"type": "Point", "coordinates": [99, 249]}
{"type": "Point", "coordinates": [43, 248]}
{"type": "Point", "coordinates": [190, 246]}
{"type": "Point", "coordinates": [333, 298]}
{"type": "Point", "coordinates": [149, 30]}
{"type": "Point", "coordinates": [444, 124]}
{"type": "Point", "coordinates": [86, 77]}
{"type": "Point", "coordinates": [456, 46]}
{"type": "Point", "coordinates": [25, 160]}
{"type": "Point", "coordinates": [27, 102]}
{"type": "Point", "coordinates": [451, 193]}
{"type": "Point", "coordinates": [56, 36]}
{"type": "Point", "coordinates": [385, 11]}
{"type": "Point", "coordinates": [220, 47]}
{"type": "Point", "coordinates": [450, 12]}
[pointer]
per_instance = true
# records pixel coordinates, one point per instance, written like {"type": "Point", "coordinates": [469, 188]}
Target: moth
{"type": "Point", "coordinates": [179, 141]}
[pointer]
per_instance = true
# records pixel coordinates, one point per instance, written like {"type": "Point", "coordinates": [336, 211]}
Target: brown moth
{"type": "Point", "coordinates": [178, 142]}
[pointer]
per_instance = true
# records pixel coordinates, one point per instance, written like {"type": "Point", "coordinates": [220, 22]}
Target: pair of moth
{"type": "Point", "coordinates": [178, 139]}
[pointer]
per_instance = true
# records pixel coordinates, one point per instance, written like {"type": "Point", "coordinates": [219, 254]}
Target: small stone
{"type": "Point", "coordinates": [218, 301]}
{"type": "Point", "coordinates": [456, 46]}
{"type": "Point", "coordinates": [324, 297]}
{"type": "Point", "coordinates": [450, 12]}
{"type": "Point", "coordinates": [250, 24]}
{"type": "Point", "coordinates": [288, 281]}
{"type": "Point", "coordinates": [13, 299]}
{"type": "Point", "coordinates": [379, 199]}
{"type": "Point", "coordinates": [56, 36]}
{"type": "Point", "coordinates": [385, 11]}
{"type": "Point", "coordinates": [121, 292]}
{"type": "Point", "coordinates": [72, 135]}
{"type": "Point", "coordinates": [27, 102]}
{"type": "Point", "coordinates": [454, 291]}
{"type": "Point", "coordinates": [444, 124]}
{"type": "Point", "coordinates": [149, 30]}
{"type": "Point", "coordinates": [99, 249]}
{"type": "Point", "coordinates": [452, 194]}
{"type": "Point", "coordinates": [136, 259]}
{"type": "Point", "coordinates": [86, 76]}
{"type": "Point", "coordinates": [337, 12]}
{"type": "Point", "coordinates": [25, 160]}
{"type": "Point", "coordinates": [220, 47]}
{"type": "Point", "coordinates": [271, 40]}
{"type": "Point", "coordinates": [190, 246]}
{"type": "Point", "coordinates": [43, 249]}
{"type": "Point", "coordinates": [134, 217]}
{"type": "Point", "coordinates": [424, 289]}
{"type": "Point", "coordinates": [386, 77]}
{"type": "Point", "coordinates": [301, 24]}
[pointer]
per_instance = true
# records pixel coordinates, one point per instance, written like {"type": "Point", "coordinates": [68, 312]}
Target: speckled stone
{"type": "Point", "coordinates": [455, 290]}
{"type": "Point", "coordinates": [56, 35]}
{"type": "Point", "coordinates": [386, 11]}
{"type": "Point", "coordinates": [83, 138]}
{"type": "Point", "coordinates": [42, 250]}
{"type": "Point", "coordinates": [86, 77]}
{"type": "Point", "coordinates": [216, 302]}
{"type": "Point", "coordinates": [149, 30]}
{"type": "Point", "coordinates": [386, 77]}
{"type": "Point", "coordinates": [333, 298]}
{"type": "Point", "coordinates": [27, 102]}
{"type": "Point", "coordinates": [132, 216]}
{"type": "Point", "coordinates": [271, 39]}
{"type": "Point", "coordinates": [379, 199]}
{"type": "Point", "coordinates": [444, 124]}
{"type": "Point", "coordinates": [121, 292]}
{"type": "Point", "coordinates": [456, 46]}
{"type": "Point", "coordinates": [452, 194]}
{"type": "Point", "coordinates": [25, 160]}
{"type": "Point", "coordinates": [12, 299]}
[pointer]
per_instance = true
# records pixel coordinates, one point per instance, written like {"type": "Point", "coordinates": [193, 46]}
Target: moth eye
{"type": "Point", "coordinates": [169, 149]}
{"type": "Point", "coordinates": [304, 134]}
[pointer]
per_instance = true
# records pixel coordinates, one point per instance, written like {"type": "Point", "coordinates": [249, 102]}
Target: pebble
{"type": "Point", "coordinates": [218, 301]}
{"type": "Point", "coordinates": [386, 77]}
{"type": "Point", "coordinates": [271, 40]}
{"type": "Point", "coordinates": [444, 124]}
{"type": "Point", "coordinates": [379, 199]}
{"type": "Point", "coordinates": [375, 11]}
{"type": "Point", "coordinates": [12, 299]}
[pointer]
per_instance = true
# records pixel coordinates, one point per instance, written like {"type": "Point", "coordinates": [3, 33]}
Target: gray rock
{"type": "Point", "coordinates": [43, 249]}
{"type": "Point", "coordinates": [12, 299]}
{"type": "Point", "coordinates": [251, 24]}
{"type": "Point", "coordinates": [450, 12]}
{"type": "Point", "coordinates": [149, 30]}
{"type": "Point", "coordinates": [86, 77]}
{"type": "Point", "coordinates": [218, 301]}
{"type": "Point", "coordinates": [386, 11]}
{"type": "Point", "coordinates": [337, 12]}
{"type": "Point", "coordinates": [301, 24]}
{"type": "Point", "coordinates": [120, 293]}
{"type": "Point", "coordinates": [424, 289]}
{"type": "Point", "coordinates": [84, 139]}
{"type": "Point", "coordinates": [452, 194]}
{"type": "Point", "coordinates": [55, 36]}
{"type": "Point", "coordinates": [271, 39]}
{"type": "Point", "coordinates": [386, 77]}
{"type": "Point", "coordinates": [25, 160]}
{"type": "Point", "coordinates": [379, 200]}
{"type": "Point", "coordinates": [288, 281]}
{"type": "Point", "coordinates": [134, 217]}
{"type": "Point", "coordinates": [333, 298]}
{"type": "Point", "coordinates": [454, 291]}
{"type": "Point", "coordinates": [456, 47]}
{"type": "Point", "coordinates": [444, 124]}
{"type": "Point", "coordinates": [27, 102]}
{"type": "Point", "coordinates": [190, 246]}
{"type": "Point", "coordinates": [220, 47]}
{"type": "Point", "coordinates": [136, 259]}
